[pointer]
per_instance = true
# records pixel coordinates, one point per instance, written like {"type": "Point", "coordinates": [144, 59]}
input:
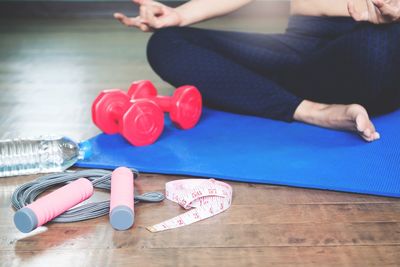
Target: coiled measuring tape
{"type": "Point", "coordinates": [206, 197]}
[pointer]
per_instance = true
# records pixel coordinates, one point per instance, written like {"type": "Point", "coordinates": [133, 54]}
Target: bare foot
{"type": "Point", "coordinates": [352, 117]}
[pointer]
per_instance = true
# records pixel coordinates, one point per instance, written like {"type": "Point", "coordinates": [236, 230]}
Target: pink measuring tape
{"type": "Point", "coordinates": [207, 197]}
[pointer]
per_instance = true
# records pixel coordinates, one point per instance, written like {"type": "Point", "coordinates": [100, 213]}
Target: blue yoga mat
{"type": "Point", "coordinates": [250, 149]}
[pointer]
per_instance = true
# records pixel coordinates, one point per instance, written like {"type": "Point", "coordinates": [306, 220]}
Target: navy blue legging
{"type": "Point", "coordinates": [322, 59]}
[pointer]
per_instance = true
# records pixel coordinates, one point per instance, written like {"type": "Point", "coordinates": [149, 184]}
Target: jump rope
{"type": "Point", "coordinates": [57, 206]}
{"type": "Point", "coordinates": [203, 198]}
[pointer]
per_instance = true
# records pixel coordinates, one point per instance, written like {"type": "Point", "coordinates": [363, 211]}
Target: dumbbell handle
{"type": "Point", "coordinates": [184, 106]}
{"type": "Point", "coordinates": [147, 91]}
{"type": "Point", "coordinates": [50, 206]}
{"type": "Point", "coordinates": [164, 102]}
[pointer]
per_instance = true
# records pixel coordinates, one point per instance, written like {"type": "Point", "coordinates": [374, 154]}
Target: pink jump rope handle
{"type": "Point", "coordinates": [50, 206]}
{"type": "Point", "coordinates": [121, 204]}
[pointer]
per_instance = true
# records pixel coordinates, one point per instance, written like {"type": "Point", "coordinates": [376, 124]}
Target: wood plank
{"type": "Point", "coordinates": [215, 232]}
{"type": "Point", "coordinates": [265, 256]}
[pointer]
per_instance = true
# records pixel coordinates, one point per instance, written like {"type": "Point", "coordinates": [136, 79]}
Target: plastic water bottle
{"type": "Point", "coordinates": [37, 155]}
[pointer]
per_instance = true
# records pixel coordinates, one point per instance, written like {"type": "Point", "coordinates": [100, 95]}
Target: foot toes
{"type": "Point", "coordinates": [365, 127]}
{"type": "Point", "coordinates": [367, 133]}
{"type": "Point", "coordinates": [370, 136]}
{"type": "Point", "coordinates": [361, 123]}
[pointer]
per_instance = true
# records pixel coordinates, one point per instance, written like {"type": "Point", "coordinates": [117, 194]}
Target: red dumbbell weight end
{"type": "Point", "coordinates": [141, 122]}
{"type": "Point", "coordinates": [144, 123]}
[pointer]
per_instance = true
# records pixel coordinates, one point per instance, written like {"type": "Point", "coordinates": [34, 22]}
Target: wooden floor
{"type": "Point", "coordinates": [50, 72]}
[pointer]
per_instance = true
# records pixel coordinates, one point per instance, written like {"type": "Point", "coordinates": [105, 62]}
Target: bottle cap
{"type": "Point", "coordinates": [85, 150]}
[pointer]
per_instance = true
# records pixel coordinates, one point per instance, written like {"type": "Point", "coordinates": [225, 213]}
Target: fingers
{"type": "Point", "coordinates": [142, 2]}
{"type": "Point", "coordinates": [152, 15]}
{"type": "Point", "coordinates": [387, 9]}
{"type": "Point", "coordinates": [148, 15]}
{"type": "Point", "coordinates": [130, 22]}
{"type": "Point", "coordinates": [374, 15]}
{"type": "Point", "coordinates": [356, 15]}
{"type": "Point", "coordinates": [145, 28]}
{"type": "Point", "coordinates": [169, 19]}
{"type": "Point", "coordinates": [157, 16]}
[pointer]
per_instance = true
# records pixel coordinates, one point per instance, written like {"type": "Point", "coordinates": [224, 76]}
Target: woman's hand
{"type": "Point", "coordinates": [152, 15]}
{"type": "Point", "coordinates": [378, 11]}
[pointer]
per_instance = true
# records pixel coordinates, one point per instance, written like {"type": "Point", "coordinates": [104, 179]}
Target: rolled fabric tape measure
{"type": "Point", "coordinates": [206, 197]}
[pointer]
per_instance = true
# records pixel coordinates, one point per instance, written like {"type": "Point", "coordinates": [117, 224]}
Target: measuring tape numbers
{"type": "Point", "coordinates": [203, 198]}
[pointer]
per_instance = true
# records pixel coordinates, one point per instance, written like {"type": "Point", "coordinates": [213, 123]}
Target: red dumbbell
{"type": "Point", "coordinates": [184, 106]}
{"type": "Point", "coordinates": [140, 121]}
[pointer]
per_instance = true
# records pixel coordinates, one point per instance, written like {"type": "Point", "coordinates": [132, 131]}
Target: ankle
{"type": "Point", "coordinates": [308, 111]}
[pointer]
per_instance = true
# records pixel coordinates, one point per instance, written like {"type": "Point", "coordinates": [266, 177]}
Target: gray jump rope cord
{"type": "Point", "coordinates": [27, 193]}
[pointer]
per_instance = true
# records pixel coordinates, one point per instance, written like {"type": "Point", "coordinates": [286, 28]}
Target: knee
{"type": "Point", "coordinates": [384, 52]}
{"type": "Point", "coordinates": [376, 57]}
{"type": "Point", "coordinates": [379, 62]}
{"type": "Point", "coordinates": [162, 38]}
{"type": "Point", "coordinates": [392, 44]}
{"type": "Point", "coordinates": [161, 47]}
{"type": "Point", "coordinates": [379, 46]}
